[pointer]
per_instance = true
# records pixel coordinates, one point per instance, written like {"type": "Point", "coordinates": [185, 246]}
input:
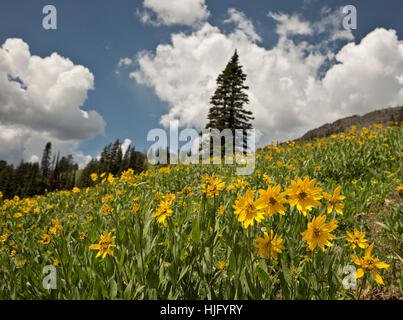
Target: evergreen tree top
{"type": "Point", "coordinates": [227, 102]}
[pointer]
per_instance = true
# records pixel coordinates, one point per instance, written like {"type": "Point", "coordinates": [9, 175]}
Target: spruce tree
{"type": "Point", "coordinates": [45, 163]}
{"type": "Point", "coordinates": [227, 110]}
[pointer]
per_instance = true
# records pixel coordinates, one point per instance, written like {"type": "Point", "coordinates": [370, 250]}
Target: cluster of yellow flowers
{"type": "Point", "coordinates": [212, 186]}
{"type": "Point", "coordinates": [249, 207]}
{"type": "Point", "coordinates": [303, 194]}
{"type": "Point", "coordinates": [367, 263]}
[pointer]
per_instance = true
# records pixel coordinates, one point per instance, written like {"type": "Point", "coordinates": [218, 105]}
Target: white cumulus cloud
{"type": "Point", "coordinates": [290, 24]}
{"type": "Point", "coordinates": [289, 93]}
{"type": "Point", "coordinates": [171, 12]}
{"type": "Point", "coordinates": [244, 24]}
{"type": "Point", "coordinates": [40, 100]}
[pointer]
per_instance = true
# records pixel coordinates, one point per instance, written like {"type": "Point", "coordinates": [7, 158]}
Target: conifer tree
{"type": "Point", "coordinates": [227, 111]}
{"type": "Point", "coordinates": [45, 163]}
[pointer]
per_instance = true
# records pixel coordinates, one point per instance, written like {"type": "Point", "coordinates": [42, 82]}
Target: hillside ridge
{"type": "Point", "coordinates": [383, 116]}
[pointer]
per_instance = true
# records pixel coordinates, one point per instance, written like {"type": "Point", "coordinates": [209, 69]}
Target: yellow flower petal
{"type": "Point", "coordinates": [377, 277]}
{"type": "Point", "coordinates": [359, 273]}
{"type": "Point", "coordinates": [382, 265]}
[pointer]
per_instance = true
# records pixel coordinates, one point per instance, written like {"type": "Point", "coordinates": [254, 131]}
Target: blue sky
{"type": "Point", "coordinates": [131, 99]}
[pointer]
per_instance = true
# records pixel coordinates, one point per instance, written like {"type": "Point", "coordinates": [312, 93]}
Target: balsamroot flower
{"type": "Point", "coordinates": [104, 245]}
{"type": "Point", "coordinates": [304, 194]}
{"type": "Point", "coordinates": [212, 186]}
{"type": "Point", "coordinates": [245, 207]}
{"type": "Point", "coordinates": [357, 239]}
{"type": "Point", "coordinates": [271, 201]}
{"type": "Point", "coordinates": [369, 264]}
{"type": "Point", "coordinates": [275, 246]}
{"type": "Point", "coordinates": [164, 209]}
{"type": "Point", "coordinates": [334, 201]}
{"type": "Point", "coordinates": [57, 227]}
{"type": "Point", "coordinates": [187, 191]}
{"type": "Point", "coordinates": [318, 232]}
{"type": "Point", "coordinates": [45, 239]}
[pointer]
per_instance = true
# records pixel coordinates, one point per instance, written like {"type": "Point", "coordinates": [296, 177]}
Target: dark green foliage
{"type": "Point", "coordinates": [45, 163]}
{"type": "Point", "coordinates": [25, 180]}
{"type": "Point", "coordinates": [112, 160]}
{"type": "Point", "coordinates": [30, 179]}
{"type": "Point", "coordinates": [63, 175]}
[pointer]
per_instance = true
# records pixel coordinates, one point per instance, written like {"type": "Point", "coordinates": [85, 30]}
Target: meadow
{"type": "Point", "coordinates": [318, 219]}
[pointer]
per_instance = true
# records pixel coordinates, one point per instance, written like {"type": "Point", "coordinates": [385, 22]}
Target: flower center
{"type": "Point", "coordinates": [251, 207]}
{"type": "Point", "coordinates": [302, 195]}
{"type": "Point", "coordinates": [369, 264]}
{"type": "Point", "coordinates": [316, 232]}
{"type": "Point", "coordinates": [272, 201]}
{"type": "Point", "coordinates": [104, 245]}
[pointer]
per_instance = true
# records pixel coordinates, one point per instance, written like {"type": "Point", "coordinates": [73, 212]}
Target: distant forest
{"type": "Point", "coordinates": [62, 173]}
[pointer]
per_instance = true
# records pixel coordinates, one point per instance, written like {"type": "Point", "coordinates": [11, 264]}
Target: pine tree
{"type": "Point", "coordinates": [85, 178]}
{"type": "Point", "coordinates": [112, 160]}
{"type": "Point", "coordinates": [227, 111]}
{"type": "Point", "coordinates": [45, 163]}
{"type": "Point", "coordinates": [116, 158]}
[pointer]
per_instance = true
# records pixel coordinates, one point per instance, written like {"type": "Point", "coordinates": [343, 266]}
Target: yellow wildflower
{"type": "Point", "coordinates": [104, 246]}
{"type": "Point", "coordinates": [221, 265]}
{"type": "Point", "coordinates": [212, 187]}
{"type": "Point", "coordinates": [18, 215]}
{"type": "Point", "coordinates": [369, 264]}
{"type": "Point", "coordinates": [304, 194]}
{"type": "Point", "coordinates": [187, 191]}
{"type": "Point", "coordinates": [269, 247]}
{"type": "Point", "coordinates": [245, 207]}
{"type": "Point", "coordinates": [357, 239]}
{"type": "Point", "coordinates": [57, 228]}
{"type": "Point", "coordinates": [135, 208]}
{"type": "Point", "coordinates": [164, 210]}
{"type": "Point", "coordinates": [45, 239]}
{"type": "Point", "coordinates": [334, 201]}
{"type": "Point", "coordinates": [318, 232]}
{"type": "Point", "coordinates": [271, 201]}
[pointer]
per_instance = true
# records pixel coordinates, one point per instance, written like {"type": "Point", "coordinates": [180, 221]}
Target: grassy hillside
{"type": "Point", "coordinates": [179, 232]}
{"type": "Point", "coordinates": [382, 116]}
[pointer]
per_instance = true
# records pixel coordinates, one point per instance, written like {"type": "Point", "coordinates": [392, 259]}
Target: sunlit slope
{"type": "Point", "coordinates": [195, 232]}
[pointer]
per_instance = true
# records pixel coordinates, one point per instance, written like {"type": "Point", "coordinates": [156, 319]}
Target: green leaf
{"type": "Point", "coordinates": [284, 287]}
{"type": "Point", "coordinates": [183, 272]}
{"type": "Point", "coordinates": [113, 289]}
{"type": "Point", "coordinates": [231, 265]}
{"type": "Point", "coordinates": [128, 290]}
{"type": "Point", "coordinates": [263, 275]}
{"type": "Point", "coordinates": [122, 258]}
{"type": "Point", "coordinates": [286, 272]}
{"type": "Point", "coordinates": [196, 231]}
